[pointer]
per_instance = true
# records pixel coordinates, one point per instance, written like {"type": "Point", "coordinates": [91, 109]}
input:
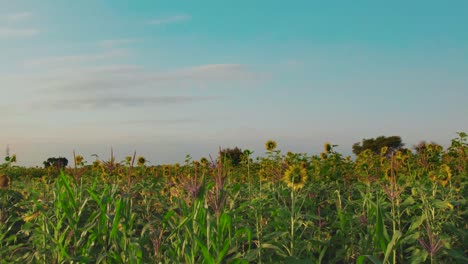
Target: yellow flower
{"type": "Point", "coordinates": [79, 160]}
{"type": "Point", "coordinates": [31, 217]}
{"type": "Point", "coordinates": [295, 177]}
{"type": "Point", "coordinates": [398, 155]}
{"type": "Point", "coordinates": [141, 161]}
{"type": "Point", "coordinates": [405, 159]}
{"type": "Point", "coordinates": [263, 175]}
{"type": "Point", "coordinates": [432, 176]}
{"type": "Point", "coordinates": [323, 156]}
{"type": "Point", "coordinates": [327, 147]}
{"type": "Point", "coordinates": [96, 163]}
{"type": "Point", "coordinates": [166, 170]}
{"type": "Point", "coordinates": [388, 173]}
{"type": "Point", "coordinates": [128, 159]}
{"type": "Point", "coordinates": [204, 161]}
{"type": "Point", "coordinates": [383, 151]}
{"type": "Point", "coordinates": [445, 174]}
{"type": "Point", "coordinates": [270, 145]}
{"type": "Point", "coordinates": [449, 205]}
{"type": "Point", "coordinates": [382, 161]}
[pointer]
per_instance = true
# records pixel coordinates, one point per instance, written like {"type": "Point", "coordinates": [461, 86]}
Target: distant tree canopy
{"type": "Point", "coordinates": [234, 155]}
{"type": "Point", "coordinates": [393, 143]}
{"type": "Point", "coordinates": [59, 162]}
{"type": "Point", "coordinates": [423, 146]}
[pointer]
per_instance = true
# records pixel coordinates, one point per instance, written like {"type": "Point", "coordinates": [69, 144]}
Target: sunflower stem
{"type": "Point", "coordinates": [291, 252]}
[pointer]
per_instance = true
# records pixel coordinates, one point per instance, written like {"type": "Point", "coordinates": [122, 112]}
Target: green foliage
{"type": "Point", "coordinates": [393, 143]}
{"type": "Point", "coordinates": [58, 163]}
{"type": "Point", "coordinates": [400, 208]}
{"type": "Point", "coordinates": [234, 155]}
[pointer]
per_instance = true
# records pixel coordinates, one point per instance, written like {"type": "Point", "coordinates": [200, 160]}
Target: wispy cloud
{"type": "Point", "coordinates": [58, 61]}
{"type": "Point", "coordinates": [175, 121]}
{"type": "Point", "coordinates": [117, 101]}
{"type": "Point", "coordinates": [169, 19]}
{"type": "Point", "coordinates": [111, 43]}
{"type": "Point", "coordinates": [9, 28]}
{"type": "Point", "coordinates": [15, 17]}
{"type": "Point", "coordinates": [9, 32]}
{"type": "Point", "coordinates": [66, 75]}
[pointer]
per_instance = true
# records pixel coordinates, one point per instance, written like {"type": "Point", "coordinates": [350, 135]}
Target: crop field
{"type": "Point", "coordinates": [380, 207]}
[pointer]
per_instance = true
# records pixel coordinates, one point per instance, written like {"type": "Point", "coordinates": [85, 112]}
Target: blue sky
{"type": "Point", "coordinates": [170, 78]}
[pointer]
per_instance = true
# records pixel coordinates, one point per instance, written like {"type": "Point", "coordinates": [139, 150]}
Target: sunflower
{"type": "Point", "coordinates": [383, 161]}
{"type": "Point", "coordinates": [295, 177]}
{"type": "Point", "coordinates": [96, 164]}
{"type": "Point", "coordinates": [327, 147]}
{"type": "Point", "coordinates": [405, 159]}
{"type": "Point", "coordinates": [388, 174]}
{"type": "Point", "coordinates": [166, 170]}
{"type": "Point", "coordinates": [204, 161]}
{"type": "Point", "coordinates": [141, 161]}
{"type": "Point", "coordinates": [323, 156]}
{"type": "Point", "coordinates": [79, 160]}
{"type": "Point", "coordinates": [445, 174]}
{"type": "Point", "coordinates": [432, 176]}
{"type": "Point", "coordinates": [128, 159]}
{"type": "Point", "coordinates": [383, 151]}
{"type": "Point", "coordinates": [270, 145]}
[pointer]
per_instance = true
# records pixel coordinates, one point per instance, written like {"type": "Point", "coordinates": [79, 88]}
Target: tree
{"type": "Point", "coordinates": [59, 162]}
{"type": "Point", "coordinates": [234, 155]}
{"type": "Point", "coordinates": [393, 143]}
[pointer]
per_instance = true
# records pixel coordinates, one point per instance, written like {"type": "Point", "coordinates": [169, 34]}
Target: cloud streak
{"type": "Point", "coordinates": [118, 101]}
{"type": "Point", "coordinates": [169, 19]}
{"type": "Point", "coordinates": [9, 32]}
{"type": "Point", "coordinates": [111, 43]}
{"type": "Point", "coordinates": [64, 77]}
{"type": "Point", "coordinates": [16, 17]}
{"type": "Point", "coordinates": [65, 61]}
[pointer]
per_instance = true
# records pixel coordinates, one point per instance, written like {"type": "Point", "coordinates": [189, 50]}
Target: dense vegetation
{"type": "Point", "coordinates": [383, 207]}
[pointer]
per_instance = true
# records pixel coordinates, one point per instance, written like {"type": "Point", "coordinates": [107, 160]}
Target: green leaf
{"type": "Point", "coordinates": [115, 224]}
{"type": "Point", "coordinates": [361, 259]}
{"type": "Point", "coordinates": [396, 236]}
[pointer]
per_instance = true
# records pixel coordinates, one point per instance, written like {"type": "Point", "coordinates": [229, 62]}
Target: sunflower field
{"type": "Point", "coordinates": [387, 207]}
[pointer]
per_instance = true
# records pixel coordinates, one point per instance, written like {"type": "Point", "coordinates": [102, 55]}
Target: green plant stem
{"type": "Point", "coordinates": [291, 252]}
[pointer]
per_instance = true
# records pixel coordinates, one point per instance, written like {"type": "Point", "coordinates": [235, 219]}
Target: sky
{"type": "Point", "coordinates": [171, 78]}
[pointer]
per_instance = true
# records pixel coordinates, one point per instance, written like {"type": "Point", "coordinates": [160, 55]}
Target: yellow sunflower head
{"type": "Point", "coordinates": [295, 177]}
{"type": "Point", "coordinates": [263, 174]}
{"type": "Point", "coordinates": [141, 161]}
{"type": "Point", "coordinates": [128, 159]}
{"type": "Point", "coordinates": [96, 163]}
{"type": "Point", "coordinates": [166, 170]}
{"type": "Point", "coordinates": [432, 176]}
{"type": "Point", "coordinates": [327, 147]}
{"type": "Point", "coordinates": [204, 161]}
{"type": "Point", "coordinates": [79, 159]}
{"type": "Point", "coordinates": [445, 174]}
{"type": "Point", "coordinates": [388, 173]}
{"type": "Point", "coordinates": [383, 151]}
{"type": "Point", "coordinates": [323, 156]}
{"type": "Point", "coordinates": [405, 159]}
{"type": "Point", "coordinates": [270, 145]}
